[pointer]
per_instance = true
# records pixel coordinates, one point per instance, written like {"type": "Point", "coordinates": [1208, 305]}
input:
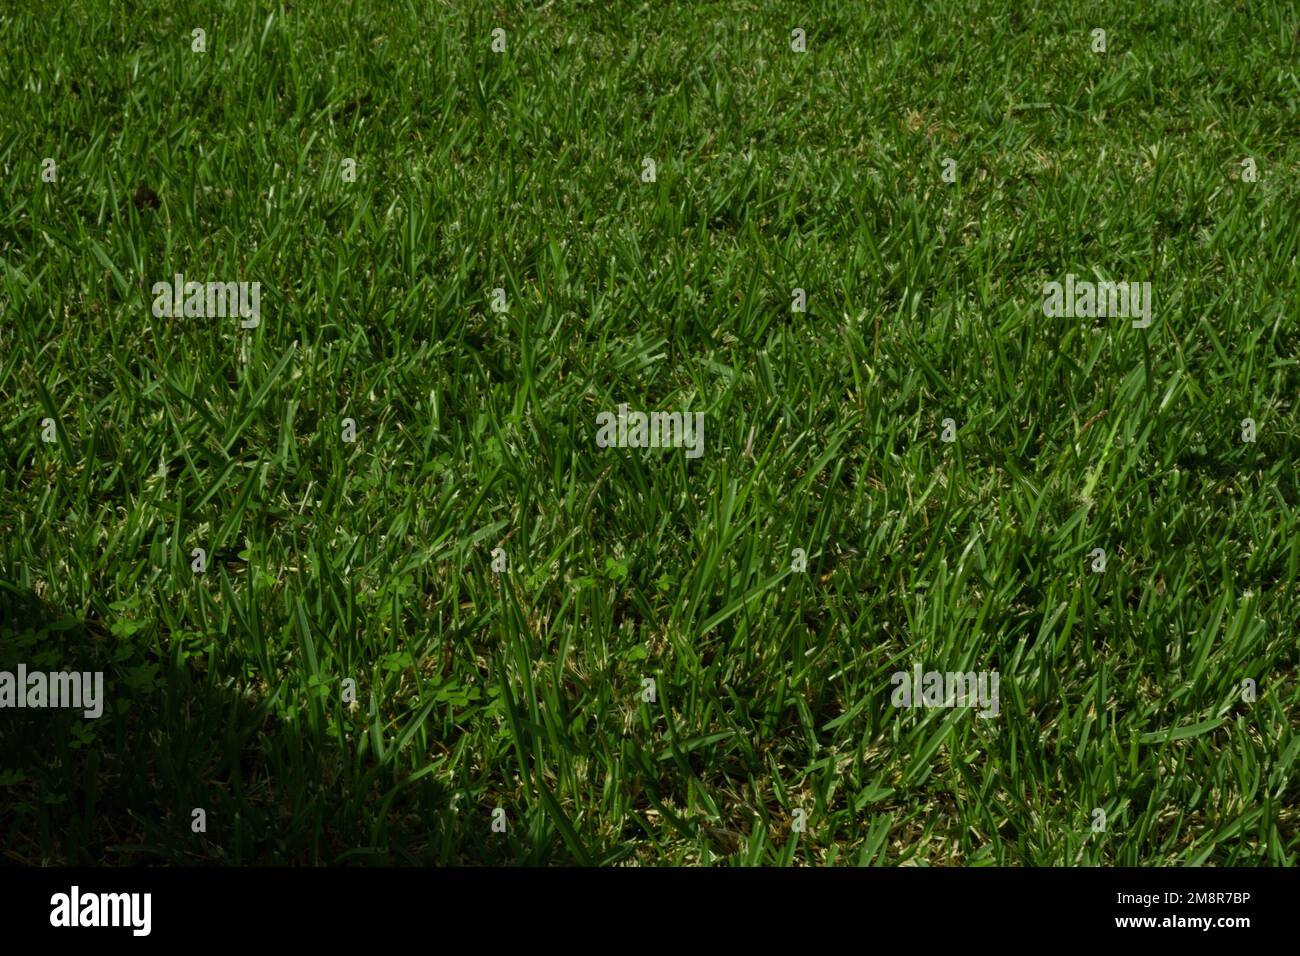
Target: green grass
{"type": "Point", "coordinates": [522, 690]}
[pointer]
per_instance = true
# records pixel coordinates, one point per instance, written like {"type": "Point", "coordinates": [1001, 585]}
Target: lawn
{"type": "Point", "coordinates": [366, 588]}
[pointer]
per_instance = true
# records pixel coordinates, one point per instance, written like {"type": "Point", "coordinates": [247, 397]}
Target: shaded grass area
{"type": "Point", "coordinates": [524, 690]}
